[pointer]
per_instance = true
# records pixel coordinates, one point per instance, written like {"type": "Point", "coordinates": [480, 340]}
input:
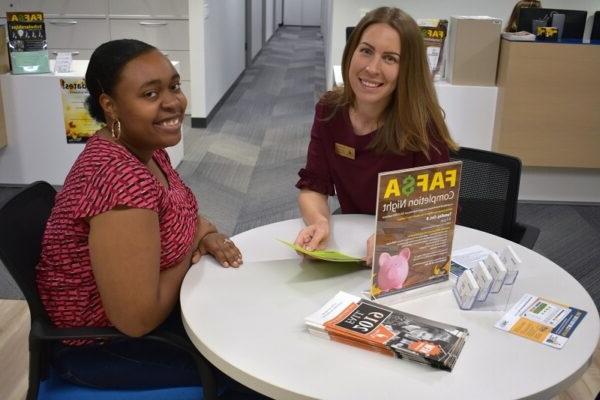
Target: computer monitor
{"type": "Point", "coordinates": [572, 29]}
{"type": "Point", "coordinates": [595, 35]}
{"type": "Point", "coordinates": [349, 30]}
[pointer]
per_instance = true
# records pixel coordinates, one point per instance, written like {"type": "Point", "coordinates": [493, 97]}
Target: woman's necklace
{"type": "Point", "coordinates": [360, 126]}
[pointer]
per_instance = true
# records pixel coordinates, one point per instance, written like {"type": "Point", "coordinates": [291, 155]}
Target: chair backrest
{"type": "Point", "coordinates": [22, 223]}
{"type": "Point", "coordinates": [489, 190]}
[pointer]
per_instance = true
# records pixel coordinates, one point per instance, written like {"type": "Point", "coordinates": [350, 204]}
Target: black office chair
{"type": "Point", "coordinates": [489, 190]}
{"type": "Point", "coordinates": [22, 223]}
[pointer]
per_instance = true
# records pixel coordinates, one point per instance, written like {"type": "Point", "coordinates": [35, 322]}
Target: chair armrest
{"type": "Point", "coordinates": [44, 331]}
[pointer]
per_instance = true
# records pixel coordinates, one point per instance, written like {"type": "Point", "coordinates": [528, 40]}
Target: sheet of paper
{"type": "Point", "coordinates": [327, 255]}
{"type": "Point", "coordinates": [63, 62]}
{"type": "Point", "coordinates": [541, 320]}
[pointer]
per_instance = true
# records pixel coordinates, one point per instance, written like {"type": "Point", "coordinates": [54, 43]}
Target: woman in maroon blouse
{"type": "Point", "coordinates": [385, 117]}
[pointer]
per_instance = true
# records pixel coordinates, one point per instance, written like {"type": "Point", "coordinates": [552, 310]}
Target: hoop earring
{"type": "Point", "coordinates": [115, 132]}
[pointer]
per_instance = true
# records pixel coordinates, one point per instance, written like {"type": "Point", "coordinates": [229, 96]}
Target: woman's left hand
{"type": "Point", "coordinates": [221, 248]}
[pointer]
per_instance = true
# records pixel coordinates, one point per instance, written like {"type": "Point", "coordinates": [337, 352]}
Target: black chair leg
{"type": "Point", "coordinates": [35, 363]}
{"type": "Point", "coordinates": [207, 376]}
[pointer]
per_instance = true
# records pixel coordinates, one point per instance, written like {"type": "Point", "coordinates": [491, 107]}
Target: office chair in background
{"type": "Point", "coordinates": [489, 191]}
{"type": "Point", "coordinates": [22, 223]}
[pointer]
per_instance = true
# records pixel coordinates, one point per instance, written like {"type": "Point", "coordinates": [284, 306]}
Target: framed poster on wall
{"type": "Point", "coordinates": [79, 124]}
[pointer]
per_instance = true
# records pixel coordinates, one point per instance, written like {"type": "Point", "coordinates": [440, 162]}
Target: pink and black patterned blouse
{"type": "Point", "coordinates": [106, 175]}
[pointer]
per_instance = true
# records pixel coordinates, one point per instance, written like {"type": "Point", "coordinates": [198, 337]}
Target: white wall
{"type": "Point", "coordinates": [270, 27]}
{"type": "Point", "coordinates": [197, 70]}
{"type": "Point", "coordinates": [348, 12]}
{"type": "Point", "coordinates": [257, 30]}
{"type": "Point", "coordinates": [302, 12]}
{"type": "Point", "coordinates": [326, 9]}
{"type": "Point", "coordinates": [279, 12]}
{"type": "Point", "coordinates": [216, 51]}
{"type": "Point", "coordinates": [311, 12]}
{"type": "Point", "coordinates": [292, 12]}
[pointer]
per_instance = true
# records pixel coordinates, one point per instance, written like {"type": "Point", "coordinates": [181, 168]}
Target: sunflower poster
{"type": "Point", "coordinates": [79, 124]}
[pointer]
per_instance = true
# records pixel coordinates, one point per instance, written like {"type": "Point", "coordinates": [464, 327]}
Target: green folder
{"type": "Point", "coordinates": [326, 255]}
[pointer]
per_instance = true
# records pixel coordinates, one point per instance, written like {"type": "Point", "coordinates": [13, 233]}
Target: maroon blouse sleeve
{"type": "Point", "coordinates": [316, 175]}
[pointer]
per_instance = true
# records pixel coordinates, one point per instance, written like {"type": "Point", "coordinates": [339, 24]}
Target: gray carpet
{"type": "Point", "coordinates": [243, 167]}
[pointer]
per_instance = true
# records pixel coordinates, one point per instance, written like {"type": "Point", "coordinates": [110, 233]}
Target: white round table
{"type": "Point", "coordinates": [249, 322]}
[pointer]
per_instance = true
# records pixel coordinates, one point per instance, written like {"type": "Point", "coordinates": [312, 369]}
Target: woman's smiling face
{"type": "Point", "coordinates": [149, 102]}
{"type": "Point", "coordinates": [375, 65]}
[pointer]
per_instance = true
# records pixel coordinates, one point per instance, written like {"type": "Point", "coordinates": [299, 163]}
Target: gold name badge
{"type": "Point", "coordinates": [344, 151]}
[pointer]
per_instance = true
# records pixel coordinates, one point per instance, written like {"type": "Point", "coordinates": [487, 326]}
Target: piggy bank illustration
{"type": "Point", "coordinates": [393, 270]}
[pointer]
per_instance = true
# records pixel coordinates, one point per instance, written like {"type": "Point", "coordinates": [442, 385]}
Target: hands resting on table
{"type": "Point", "coordinates": [218, 245]}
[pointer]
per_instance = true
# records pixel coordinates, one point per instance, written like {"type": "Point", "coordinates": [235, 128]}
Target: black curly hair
{"type": "Point", "coordinates": [105, 67]}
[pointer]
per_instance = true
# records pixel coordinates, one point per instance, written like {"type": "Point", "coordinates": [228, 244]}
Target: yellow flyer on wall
{"type": "Point", "coordinates": [415, 217]}
{"type": "Point", "coordinates": [79, 124]}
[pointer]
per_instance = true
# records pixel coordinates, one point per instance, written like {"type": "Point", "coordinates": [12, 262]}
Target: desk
{"type": "Point", "coordinates": [250, 324]}
{"type": "Point", "coordinates": [548, 102]}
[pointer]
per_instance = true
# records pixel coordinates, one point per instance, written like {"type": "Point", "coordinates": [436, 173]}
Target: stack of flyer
{"type": "Point", "coordinates": [363, 323]}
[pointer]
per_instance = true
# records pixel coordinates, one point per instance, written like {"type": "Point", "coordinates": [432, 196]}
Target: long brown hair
{"type": "Point", "coordinates": [413, 115]}
{"type": "Point", "coordinates": [512, 24]}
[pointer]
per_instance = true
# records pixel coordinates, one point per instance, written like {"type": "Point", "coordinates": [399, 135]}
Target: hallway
{"type": "Point", "coordinates": [243, 167]}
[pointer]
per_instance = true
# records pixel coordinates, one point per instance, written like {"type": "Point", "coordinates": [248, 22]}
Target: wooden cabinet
{"type": "Point", "coordinates": [547, 112]}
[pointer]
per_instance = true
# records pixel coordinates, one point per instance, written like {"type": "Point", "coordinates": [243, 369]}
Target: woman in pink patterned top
{"type": "Point", "coordinates": [125, 228]}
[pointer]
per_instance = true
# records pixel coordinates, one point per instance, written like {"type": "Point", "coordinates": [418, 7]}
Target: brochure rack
{"type": "Point", "coordinates": [482, 279]}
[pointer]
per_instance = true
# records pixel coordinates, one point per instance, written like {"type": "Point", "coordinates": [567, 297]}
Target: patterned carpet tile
{"type": "Point", "coordinates": [295, 119]}
{"type": "Point", "coordinates": [591, 214]}
{"type": "Point", "coordinates": [236, 150]}
{"type": "Point", "coordinates": [221, 171]}
{"type": "Point", "coordinates": [220, 204]}
{"type": "Point", "coordinates": [297, 138]}
{"type": "Point", "coordinates": [252, 133]}
{"type": "Point", "coordinates": [301, 105]}
{"type": "Point", "coordinates": [196, 144]}
{"type": "Point", "coordinates": [568, 238]}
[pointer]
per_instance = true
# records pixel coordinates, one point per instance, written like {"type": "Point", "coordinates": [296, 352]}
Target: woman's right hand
{"type": "Point", "coordinates": [314, 236]}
